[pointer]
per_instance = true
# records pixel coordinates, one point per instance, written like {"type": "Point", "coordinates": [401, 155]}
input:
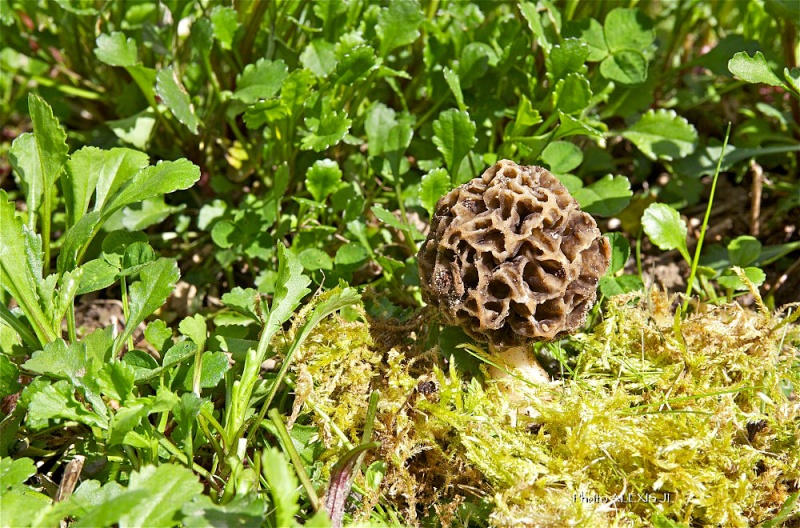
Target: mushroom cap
{"type": "Point", "coordinates": [511, 258]}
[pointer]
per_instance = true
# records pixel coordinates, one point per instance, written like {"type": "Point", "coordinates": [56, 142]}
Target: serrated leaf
{"type": "Point", "coordinates": [169, 486]}
{"type": "Point", "coordinates": [38, 158]}
{"type": "Point", "coordinates": [158, 335]}
{"type": "Point", "coordinates": [753, 69]}
{"type": "Point", "coordinates": [590, 32]}
{"type": "Point", "coordinates": [454, 137]}
{"type": "Point", "coordinates": [116, 50]}
{"type": "Point", "coordinates": [283, 486]}
{"type": "Point", "coordinates": [195, 328]}
{"type": "Point", "coordinates": [244, 301]}
{"type": "Point", "coordinates": [434, 185]}
{"type": "Point", "coordinates": [398, 24]}
{"type": "Point", "coordinates": [224, 22]}
{"type": "Point", "coordinates": [116, 379]}
{"type": "Point", "coordinates": [567, 57]}
{"type": "Point", "coordinates": [157, 281]}
{"type": "Point", "coordinates": [291, 287]}
{"type": "Point", "coordinates": [116, 243]}
{"type": "Point", "coordinates": [325, 131]}
{"type": "Point", "coordinates": [14, 472]}
{"type": "Point", "coordinates": [319, 56]}
{"type": "Point", "coordinates": [242, 510]}
{"type": "Point", "coordinates": [625, 67]}
{"type": "Point", "coordinates": [171, 91]}
{"type": "Point", "coordinates": [163, 178]}
{"type": "Point", "coordinates": [454, 83]}
{"type": "Point", "coordinates": [573, 93]}
{"type": "Point", "coordinates": [17, 276]}
{"type": "Point", "coordinates": [92, 172]}
{"type": "Point", "coordinates": [663, 134]}
{"type": "Point", "coordinates": [665, 228]}
{"type": "Point", "coordinates": [295, 91]}
{"type": "Point", "coordinates": [562, 156]}
{"type": "Point", "coordinates": [628, 29]}
{"type": "Point", "coordinates": [9, 378]}
{"type": "Point", "coordinates": [322, 178]}
{"type": "Point", "coordinates": [605, 197]}
{"type": "Point", "coordinates": [355, 65]}
{"type": "Point", "coordinates": [260, 80]}
{"type": "Point", "coordinates": [58, 401]}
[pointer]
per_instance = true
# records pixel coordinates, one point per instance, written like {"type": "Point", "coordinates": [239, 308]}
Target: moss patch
{"type": "Point", "coordinates": [693, 420]}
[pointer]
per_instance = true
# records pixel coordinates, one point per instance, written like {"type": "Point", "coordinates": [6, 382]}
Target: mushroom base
{"type": "Point", "coordinates": [519, 361]}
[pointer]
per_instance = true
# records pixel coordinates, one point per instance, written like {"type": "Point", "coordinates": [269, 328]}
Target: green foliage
{"type": "Point", "coordinates": [178, 177]}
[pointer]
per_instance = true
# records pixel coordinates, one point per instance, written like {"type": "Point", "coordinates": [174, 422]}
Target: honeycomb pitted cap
{"type": "Point", "coordinates": [511, 258]}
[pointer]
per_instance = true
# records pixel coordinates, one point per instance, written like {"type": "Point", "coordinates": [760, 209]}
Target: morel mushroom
{"type": "Point", "coordinates": [511, 259]}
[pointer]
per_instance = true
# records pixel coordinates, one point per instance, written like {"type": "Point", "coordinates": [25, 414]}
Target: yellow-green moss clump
{"type": "Point", "coordinates": [689, 420]}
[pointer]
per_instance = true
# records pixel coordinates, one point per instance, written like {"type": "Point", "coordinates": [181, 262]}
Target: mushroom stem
{"type": "Point", "coordinates": [520, 361]}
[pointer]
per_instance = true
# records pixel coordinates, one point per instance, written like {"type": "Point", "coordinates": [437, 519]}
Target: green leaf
{"type": "Point", "coordinates": [351, 254]}
{"type": "Point", "coordinates": [753, 69]}
{"type": "Point", "coordinates": [99, 173]}
{"type": "Point", "coordinates": [39, 157]}
{"type": "Point", "coordinates": [386, 217]}
{"type": "Point", "coordinates": [663, 134]}
{"type": "Point", "coordinates": [567, 57]}
{"type": "Point", "coordinates": [628, 29]}
{"type": "Point", "coordinates": [242, 510]}
{"type": "Point", "coordinates": [319, 56]}
{"type": "Point", "coordinates": [116, 243]}
{"type": "Point", "coordinates": [322, 179]}
{"type": "Point", "coordinates": [213, 366]}
{"type": "Point", "coordinates": [260, 80]}
{"type": "Point", "coordinates": [454, 83]}
{"type": "Point", "coordinates": [590, 32]}
{"type": "Point", "coordinates": [17, 275]}
{"type": "Point", "coordinates": [562, 156]}
{"type": "Point", "coordinates": [168, 487]}
{"type": "Point", "coordinates": [620, 252]}
{"type": "Point", "coordinates": [325, 131]}
{"type": "Point", "coordinates": [58, 401]}
{"type": "Point", "coordinates": [731, 280]}
{"type": "Point", "coordinates": [573, 94]}
{"type": "Point", "coordinates": [355, 65]}
{"type": "Point", "coordinates": [605, 197]}
{"type": "Point", "coordinates": [14, 472]}
{"type": "Point", "coordinates": [398, 24]}
{"type": "Point", "coordinates": [665, 228]}
{"type": "Point", "coordinates": [157, 281]}
{"type": "Point", "coordinates": [244, 301]}
{"type": "Point", "coordinates": [283, 485]}
{"type": "Point", "coordinates": [434, 185]}
{"type": "Point", "coordinates": [195, 329]}
{"type": "Point", "coordinates": [116, 380]}
{"type": "Point", "coordinates": [793, 78]}
{"type": "Point", "coordinates": [158, 335]}
{"type": "Point", "coordinates": [290, 289]}
{"type": "Point", "coordinates": [224, 22]}
{"type": "Point", "coordinates": [611, 286]}
{"type": "Point", "coordinates": [9, 378]}
{"type": "Point", "coordinates": [625, 67]}
{"type": "Point", "coordinates": [314, 259]}
{"type": "Point", "coordinates": [171, 91]}
{"type": "Point", "coordinates": [541, 34]}
{"type": "Point", "coordinates": [116, 50]}
{"type": "Point", "coordinates": [163, 178]}
{"type": "Point", "coordinates": [454, 137]}
{"type": "Point", "coordinates": [744, 251]}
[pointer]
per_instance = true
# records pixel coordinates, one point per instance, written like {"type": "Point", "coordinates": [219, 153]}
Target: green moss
{"type": "Point", "coordinates": [693, 419]}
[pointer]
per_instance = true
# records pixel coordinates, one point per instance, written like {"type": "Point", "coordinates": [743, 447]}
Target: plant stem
{"type": "Point", "coordinates": [288, 446]}
{"type": "Point", "coordinates": [699, 247]}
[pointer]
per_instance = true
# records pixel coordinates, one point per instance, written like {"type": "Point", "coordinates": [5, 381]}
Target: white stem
{"type": "Point", "coordinates": [520, 362]}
